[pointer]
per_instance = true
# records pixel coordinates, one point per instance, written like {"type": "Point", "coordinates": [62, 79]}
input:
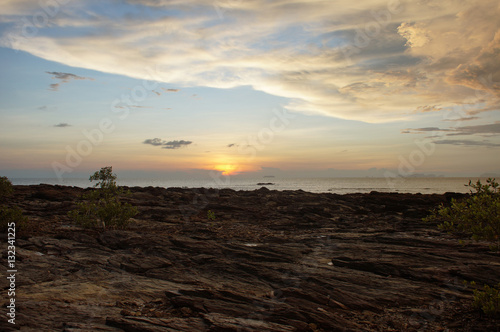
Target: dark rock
{"type": "Point", "coordinates": [271, 261]}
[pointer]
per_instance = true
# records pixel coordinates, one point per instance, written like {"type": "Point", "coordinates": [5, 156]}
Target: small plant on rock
{"type": "Point", "coordinates": [487, 300]}
{"type": "Point", "coordinates": [101, 207]}
{"type": "Point", "coordinates": [5, 187]}
{"type": "Point", "coordinates": [9, 215]}
{"type": "Point", "coordinates": [211, 215]}
{"type": "Point", "coordinates": [478, 216]}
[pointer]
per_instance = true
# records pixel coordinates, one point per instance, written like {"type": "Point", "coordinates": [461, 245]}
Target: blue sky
{"type": "Point", "coordinates": [379, 88]}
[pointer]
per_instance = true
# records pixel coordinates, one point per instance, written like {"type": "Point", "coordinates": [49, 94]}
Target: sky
{"type": "Point", "coordinates": [249, 87]}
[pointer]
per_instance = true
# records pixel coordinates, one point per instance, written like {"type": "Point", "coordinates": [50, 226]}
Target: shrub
{"type": "Point", "coordinates": [101, 207]}
{"type": "Point", "coordinates": [487, 300]}
{"type": "Point", "coordinates": [5, 187]}
{"type": "Point", "coordinates": [478, 216]}
{"type": "Point", "coordinates": [9, 215]}
{"type": "Point", "coordinates": [211, 215]}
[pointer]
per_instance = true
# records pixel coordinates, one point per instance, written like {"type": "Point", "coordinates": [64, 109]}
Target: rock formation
{"type": "Point", "coordinates": [269, 261]}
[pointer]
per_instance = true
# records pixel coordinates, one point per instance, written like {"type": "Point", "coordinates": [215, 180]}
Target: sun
{"type": "Point", "coordinates": [226, 169]}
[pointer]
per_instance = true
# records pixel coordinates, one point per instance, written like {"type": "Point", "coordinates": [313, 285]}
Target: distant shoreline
{"type": "Point", "coordinates": [210, 191]}
{"type": "Point", "coordinates": [316, 185]}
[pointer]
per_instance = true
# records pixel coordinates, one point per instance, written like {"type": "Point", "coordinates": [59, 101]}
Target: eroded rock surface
{"type": "Point", "coordinates": [269, 261]}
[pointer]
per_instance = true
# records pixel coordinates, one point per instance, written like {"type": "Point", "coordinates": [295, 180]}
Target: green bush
{"type": "Point", "coordinates": [9, 215]}
{"type": "Point", "coordinates": [487, 300]}
{"type": "Point", "coordinates": [5, 187]}
{"type": "Point", "coordinates": [477, 216]}
{"type": "Point", "coordinates": [211, 215]}
{"type": "Point", "coordinates": [101, 207]}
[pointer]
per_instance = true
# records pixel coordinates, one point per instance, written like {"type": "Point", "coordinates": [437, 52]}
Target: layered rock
{"type": "Point", "coordinates": [269, 261]}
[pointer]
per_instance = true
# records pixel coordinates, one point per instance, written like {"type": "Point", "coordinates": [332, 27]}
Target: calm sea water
{"type": "Point", "coordinates": [436, 185]}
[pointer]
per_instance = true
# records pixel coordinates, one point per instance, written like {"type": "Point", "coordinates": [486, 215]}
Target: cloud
{"type": "Point", "coordinates": [176, 144]}
{"type": "Point", "coordinates": [482, 72]}
{"type": "Point", "coordinates": [467, 143]}
{"type": "Point", "coordinates": [427, 108]}
{"type": "Point", "coordinates": [135, 106]}
{"type": "Point", "coordinates": [62, 125]}
{"type": "Point", "coordinates": [423, 130]}
{"type": "Point", "coordinates": [370, 62]}
{"type": "Point", "coordinates": [461, 52]}
{"type": "Point", "coordinates": [46, 108]}
{"type": "Point", "coordinates": [19, 7]}
{"type": "Point", "coordinates": [139, 106]}
{"type": "Point", "coordinates": [54, 87]}
{"type": "Point", "coordinates": [153, 141]}
{"type": "Point", "coordinates": [170, 145]}
{"type": "Point", "coordinates": [415, 35]}
{"type": "Point", "coordinates": [492, 129]}
{"type": "Point", "coordinates": [469, 118]}
{"type": "Point", "coordinates": [64, 78]}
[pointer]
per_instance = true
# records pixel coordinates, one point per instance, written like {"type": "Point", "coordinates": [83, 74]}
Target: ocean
{"type": "Point", "coordinates": [434, 185]}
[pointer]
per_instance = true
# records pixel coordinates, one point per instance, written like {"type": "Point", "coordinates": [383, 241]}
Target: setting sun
{"type": "Point", "coordinates": [226, 169]}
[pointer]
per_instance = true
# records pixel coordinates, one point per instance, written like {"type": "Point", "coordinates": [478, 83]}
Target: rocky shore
{"type": "Point", "coordinates": [262, 260]}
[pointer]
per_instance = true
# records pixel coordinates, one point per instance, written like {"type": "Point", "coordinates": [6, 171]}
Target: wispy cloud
{"type": "Point", "coordinates": [54, 87]}
{"type": "Point", "coordinates": [427, 108]}
{"type": "Point", "coordinates": [46, 108]}
{"type": "Point", "coordinates": [171, 90]}
{"type": "Point", "coordinates": [423, 130]}
{"type": "Point", "coordinates": [140, 106]}
{"type": "Point", "coordinates": [469, 118]}
{"type": "Point", "coordinates": [176, 144]}
{"type": "Point", "coordinates": [363, 63]}
{"type": "Point", "coordinates": [170, 145]}
{"type": "Point", "coordinates": [64, 78]}
{"type": "Point", "coordinates": [153, 141]}
{"type": "Point", "coordinates": [488, 129]}
{"type": "Point", "coordinates": [467, 143]}
{"type": "Point", "coordinates": [62, 125]}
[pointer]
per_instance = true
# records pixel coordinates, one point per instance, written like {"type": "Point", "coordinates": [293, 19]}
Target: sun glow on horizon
{"type": "Point", "coordinates": [226, 169]}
